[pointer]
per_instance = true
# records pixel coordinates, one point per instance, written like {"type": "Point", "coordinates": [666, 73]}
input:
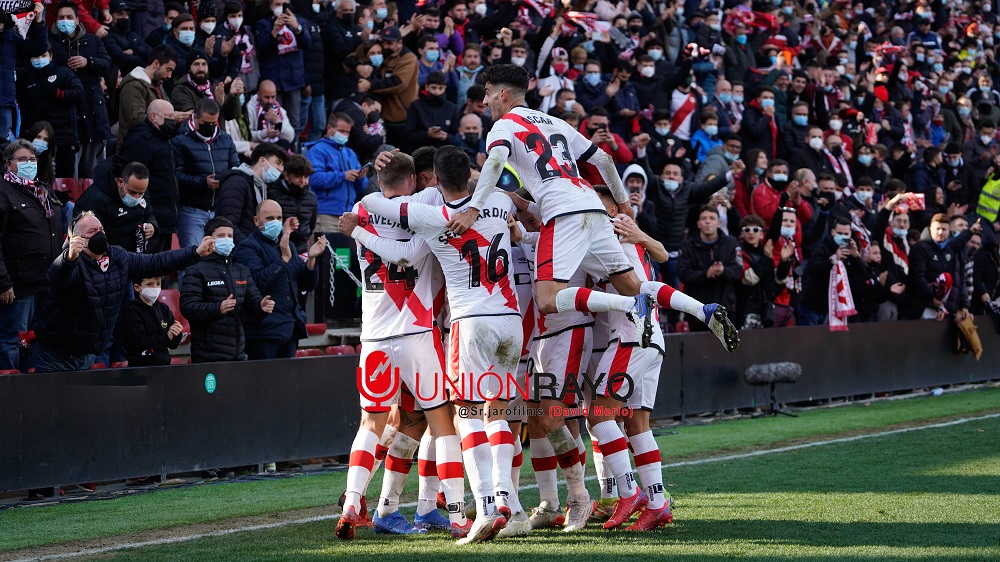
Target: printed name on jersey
{"type": "Point", "coordinates": [375, 220]}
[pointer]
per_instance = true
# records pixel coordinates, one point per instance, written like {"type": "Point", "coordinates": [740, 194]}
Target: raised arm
{"type": "Point", "coordinates": [400, 252]}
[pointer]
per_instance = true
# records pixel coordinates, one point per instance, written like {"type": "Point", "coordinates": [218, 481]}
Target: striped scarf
{"type": "Point", "coordinates": [900, 256]}
{"type": "Point", "coordinates": [841, 301]}
{"type": "Point", "coordinates": [37, 188]}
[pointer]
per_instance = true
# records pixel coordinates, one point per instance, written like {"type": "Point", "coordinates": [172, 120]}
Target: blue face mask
{"type": "Point", "coordinates": [381, 13]}
{"type": "Point", "coordinates": [938, 67]}
{"type": "Point", "coordinates": [243, 99]}
{"type": "Point", "coordinates": [41, 62]}
{"type": "Point", "coordinates": [370, 24]}
{"type": "Point", "coordinates": [865, 159]}
{"type": "Point", "coordinates": [377, 60]}
{"type": "Point", "coordinates": [224, 246]}
{"type": "Point", "coordinates": [593, 78]}
{"type": "Point", "coordinates": [662, 132]}
{"type": "Point", "coordinates": [130, 201]}
{"type": "Point", "coordinates": [788, 231]}
{"type": "Point", "coordinates": [774, 60]}
{"type": "Point", "coordinates": [737, 98]}
{"type": "Point", "coordinates": [841, 239]}
{"type": "Point", "coordinates": [964, 111]}
{"type": "Point", "coordinates": [955, 163]}
{"type": "Point", "coordinates": [759, 171]}
{"type": "Point", "coordinates": [766, 103]}
{"type": "Point", "coordinates": [186, 37]}
{"type": "Point", "coordinates": [340, 138]}
{"type": "Point", "coordinates": [271, 174]}
{"type": "Point", "coordinates": [671, 185]}
{"type": "Point", "coordinates": [432, 56]}
{"type": "Point", "coordinates": [711, 130]}
{"type": "Point", "coordinates": [901, 232]}
{"type": "Point", "coordinates": [729, 156]}
{"type": "Point", "coordinates": [40, 145]}
{"type": "Point", "coordinates": [656, 54]}
{"type": "Point", "coordinates": [780, 177]}
{"type": "Point", "coordinates": [944, 89]}
{"type": "Point", "coordinates": [27, 170]}
{"type": "Point", "coordinates": [568, 105]}
{"type": "Point", "coordinates": [801, 120]}
{"type": "Point", "coordinates": [725, 98]}
{"type": "Point", "coordinates": [741, 39]}
{"type": "Point", "coordinates": [588, 46]}
{"type": "Point", "coordinates": [272, 230]}
{"type": "Point", "coordinates": [66, 26]}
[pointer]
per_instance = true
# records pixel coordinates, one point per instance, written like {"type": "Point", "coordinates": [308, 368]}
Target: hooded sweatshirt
{"type": "Point", "coordinates": [645, 214]}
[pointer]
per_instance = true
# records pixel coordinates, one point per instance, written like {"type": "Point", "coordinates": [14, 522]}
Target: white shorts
{"type": "Point", "coordinates": [483, 356]}
{"type": "Point", "coordinates": [562, 356]}
{"type": "Point", "coordinates": [579, 241]}
{"type": "Point", "coordinates": [642, 365]}
{"type": "Point", "coordinates": [391, 368]}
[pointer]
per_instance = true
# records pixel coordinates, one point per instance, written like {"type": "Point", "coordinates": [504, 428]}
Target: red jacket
{"type": "Point", "coordinates": [85, 6]}
{"type": "Point", "coordinates": [764, 203]}
{"type": "Point", "coordinates": [621, 156]}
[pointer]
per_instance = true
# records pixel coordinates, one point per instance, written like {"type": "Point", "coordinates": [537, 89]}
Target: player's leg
{"type": "Point", "coordinates": [448, 458]}
{"type": "Point", "coordinates": [605, 506]}
{"type": "Point", "coordinates": [502, 447]}
{"type": "Point", "coordinates": [647, 461]}
{"type": "Point", "coordinates": [715, 316]}
{"type": "Point", "coordinates": [544, 463]}
{"type": "Point", "coordinates": [398, 462]}
{"type": "Point", "coordinates": [362, 462]}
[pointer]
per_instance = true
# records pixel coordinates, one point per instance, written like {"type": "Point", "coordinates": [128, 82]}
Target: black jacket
{"type": "Point", "coordinates": [339, 41]}
{"type": "Point", "coordinates": [425, 113]}
{"type": "Point", "coordinates": [237, 200]}
{"type": "Point", "coordinates": [147, 144]}
{"type": "Point", "coordinates": [95, 123]}
{"type": "Point", "coordinates": [314, 55]}
{"type": "Point", "coordinates": [695, 259]}
{"type": "Point", "coordinates": [195, 160]}
{"type": "Point", "coordinates": [282, 281]}
{"type": "Point", "coordinates": [216, 336]}
{"type": "Point", "coordinates": [363, 144]}
{"type": "Point", "coordinates": [29, 241]}
{"type": "Point", "coordinates": [84, 302]}
{"type": "Point", "coordinates": [816, 279]}
{"type": "Point", "coordinates": [672, 209]}
{"type": "Point", "coordinates": [143, 330]}
{"type": "Point", "coordinates": [927, 262]}
{"type": "Point", "coordinates": [122, 224]}
{"type": "Point", "coordinates": [986, 277]}
{"type": "Point", "coordinates": [298, 203]}
{"type": "Point", "coordinates": [51, 94]}
{"type": "Point", "coordinates": [116, 43]}
{"type": "Point", "coordinates": [754, 291]}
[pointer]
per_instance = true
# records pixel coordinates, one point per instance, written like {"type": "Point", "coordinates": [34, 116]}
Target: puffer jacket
{"type": "Point", "coordinates": [13, 49]}
{"type": "Point", "coordinates": [298, 203]}
{"type": "Point", "coordinates": [197, 159]}
{"type": "Point", "coordinates": [216, 336]}
{"type": "Point", "coordinates": [282, 281]}
{"type": "Point", "coordinates": [116, 43]}
{"type": "Point", "coordinates": [286, 70]}
{"type": "Point", "coordinates": [239, 194]}
{"type": "Point", "coordinates": [29, 241]}
{"type": "Point", "coordinates": [51, 94]}
{"type": "Point", "coordinates": [84, 302]}
{"type": "Point", "coordinates": [122, 224]}
{"type": "Point", "coordinates": [672, 209]}
{"type": "Point", "coordinates": [312, 57]}
{"type": "Point", "coordinates": [95, 124]}
{"type": "Point", "coordinates": [149, 145]}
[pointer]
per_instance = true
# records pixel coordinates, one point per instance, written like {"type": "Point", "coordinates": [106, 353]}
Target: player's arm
{"type": "Point", "coordinates": [630, 233]}
{"type": "Point", "coordinates": [499, 142]}
{"type": "Point", "coordinates": [589, 152]}
{"type": "Point", "coordinates": [411, 216]}
{"type": "Point", "coordinates": [402, 253]}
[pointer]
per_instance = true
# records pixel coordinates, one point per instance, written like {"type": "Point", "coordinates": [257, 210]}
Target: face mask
{"type": "Point", "coordinates": [648, 71]}
{"type": "Point", "coordinates": [900, 232]}
{"type": "Point", "coordinates": [578, 67]}
{"type": "Point", "coordinates": [278, 10]}
{"type": "Point", "coordinates": [588, 46]}
{"type": "Point", "coordinates": [41, 62]}
{"type": "Point", "coordinates": [568, 105]}
{"type": "Point", "coordinates": [920, 57]}
{"type": "Point", "coordinates": [272, 230]}
{"type": "Point", "coordinates": [560, 68]}
{"type": "Point", "coordinates": [711, 130]}
{"type": "Point", "coordinates": [863, 196]}
{"type": "Point", "coordinates": [788, 231]}
{"type": "Point", "coordinates": [758, 170]}
{"type": "Point", "coordinates": [815, 143]}
{"type": "Point", "coordinates": [679, 11]}
{"type": "Point", "coordinates": [66, 26]}
{"type": "Point", "coordinates": [715, 26]}
{"type": "Point", "coordinates": [836, 124]}
{"type": "Point", "coordinates": [737, 98]}
{"type": "Point", "coordinates": [130, 201]}
{"type": "Point", "coordinates": [656, 54]}
{"type": "Point", "coordinates": [634, 29]}
{"type": "Point", "coordinates": [766, 103]}
{"type": "Point", "coordinates": [480, 9]}
{"type": "Point", "coordinates": [843, 60]}
{"type": "Point", "coordinates": [123, 25]}
{"type": "Point", "coordinates": [167, 26]}
{"type": "Point", "coordinates": [370, 24]}
{"type": "Point", "coordinates": [774, 60]}
{"type": "Point", "coordinates": [340, 138]}
{"type": "Point", "coordinates": [663, 131]}
{"type": "Point", "coordinates": [730, 156]}
{"type": "Point", "coordinates": [206, 130]}
{"type": "Point", "coordinates": [98, 244]}
{"type": "Point", "coordinates": [471, 139]}
{"type": "Point", "coordinates": [986, 139]}
{"type": "Point", "coordinates": [377, 60]}
{"type": "Point", "coordinates": [841, 239]}
{"type": "Point", "coordinates": [938, 67]}
{"type": "Point", "coordinates": [837, 151]}
{"type": "Point", "coordinates": [725, 98]}
{"type": "Point", "coordinates": [224, 246]}
{"type": "Point", "coordinates": [168, 128]}
{"type": "Point", "coordinates": [964, 111]}
{"type": "Point", "coordinates": [955, 163]}
{"type": "Point", "coordinates": [944, 89]}
{"type": "Point", "coordinates": [271, 174]}
{"type": "Point", "coordinates": [27, 170]}
{"type": "Point", "coordinates": [40, 145]}
{"type": "Point", "coordinates": [235, 23]}
{"type": "Point", "coordinates": [381, 13]}
{"type": "Point", "coordinates": [243, 99]}
{"type": "Point", "coordinates": [316, 8]}
{"type": "Point", "coordinates": [865, 159]}
{"type": "Point", "coordinates": [150, 294]}
{"type": "Point", "coordinates": [208, 27]}
{"type": "Point", "coordinates": [432, 56]}
{"type": "Point", "coordinates": [853, 45]}
{"type": "Point", "coordinates": [518, 61]}
{"type": "Point", "coordinates": [671, 185]}
{"type": "Point", "coordinates": [787, 10]}
{"type": "Point", "coordinates": [800, 120]}
{"type": "Point", "coordinates": [186, 37]}
{"type": "Point", "coordinates": [594, 78]}
{"type": "Point", "coordinates": [838, 195]}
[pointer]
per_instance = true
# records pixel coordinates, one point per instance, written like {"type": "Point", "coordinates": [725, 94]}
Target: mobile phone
{"type": "Point", "coordinates": [602, 126]}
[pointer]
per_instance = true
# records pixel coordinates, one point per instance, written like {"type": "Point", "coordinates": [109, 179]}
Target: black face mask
{"type": "Point", "coordinates": [373, 117]}
{"type": "Point", "coordinates": [435, 99]}
{"type": "Point", "coordinates": [98, 244]}
{"type": "Point", "coordinates": [779, 185]}
{"type": "Point", "coordinates": [168, 128]}
{"type": "Point", "coordinates": [635, 28]}
{"type": "Point", "coordinates": [206, 129]}
{"type": "Point", "coordinates": [124, 25]}
{"type": "Point", "coordinates": [837, 151]}
{"type": "Point", "coordinates": [472, 139]}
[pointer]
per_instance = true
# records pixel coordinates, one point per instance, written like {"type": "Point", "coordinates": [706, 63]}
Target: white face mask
{"type": "Point", "coordinates": [208, 27]}
{"type": "Point", "coordinates": [278, 10]}
{"type": "Point", "coordinates": [480, 9]}
{"type": "Point", "coordinates": [150, 294]}
{"type": "Point", "coordinates": [836, 124]}
{"type": "Point", "coordinates": [815, 143]}
{"type": "Point", "coordinates": [518, 61]}
{"type": "Point", "coordinates": [235, 23]}
{"type": "Point", "coordinates": [648, 71]}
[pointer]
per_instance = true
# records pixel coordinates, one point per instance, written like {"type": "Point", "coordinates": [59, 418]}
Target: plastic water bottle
{"type": "Point", "coordinates": [937, 391]}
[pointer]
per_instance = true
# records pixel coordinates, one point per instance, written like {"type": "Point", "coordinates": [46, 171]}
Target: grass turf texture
{"type": "Point", "coordinates": [925, 495]}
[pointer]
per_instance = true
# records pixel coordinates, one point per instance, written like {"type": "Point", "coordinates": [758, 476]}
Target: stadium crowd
{"type": "Point", "coordinates": [801, 161]}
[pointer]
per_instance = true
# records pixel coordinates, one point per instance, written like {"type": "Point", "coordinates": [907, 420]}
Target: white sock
{"type": "Point", "coordinates": [381, 449]}
{"type": "Point", "coordinates": [669, 297]}
{"type": "Point", "coordinates": [360, 468]}
{"type": "Point", "coordinates": [427, 472]}
{"type": "Point", "coordinates": [647, 463]}
{"type": "Point", "coordinates": [502, 447]}
{"type": "Point", "coordinates": [478, 464]}
{"type": "Point", "coordinates": [568, 457]}
{"type": "Point", "coordinates": [588, 300]}
{"type": "Point", "coordinates": [448, 450]}
{"type": "Point", "coordinates": [515, 465]}
{"type": "Point", "coordinates": [398, 462]}
{"type": "Point", "coordinates": [609, 488]}
{"type": "Point", "coordinates": [582, 449]}
{"type": "Point", "coordinates": [543, 461]}
{"type": "Point", "coordinates": [615, 448]}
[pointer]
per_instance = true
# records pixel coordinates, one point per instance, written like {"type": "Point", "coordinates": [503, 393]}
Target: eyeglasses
{"type": "Point", "coordinates": [752, 229]}
{"type": "Point", "coordinates": [24, 159]}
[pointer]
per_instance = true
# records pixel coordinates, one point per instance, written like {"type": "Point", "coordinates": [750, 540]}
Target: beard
{"type": "Point", "coordinates": [200, 78]}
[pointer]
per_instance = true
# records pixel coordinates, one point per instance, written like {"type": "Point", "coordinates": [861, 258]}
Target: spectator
{"type": "Point", "coordinates": [242, 59]}
{"type": "Point", "coordinates": [268, 121]}
{"type": "Point", "coordinates": [596, 128]}
{"type": "Point", "coordinates": [47, 92]}
{"type": "Point", "coordinates": [159, 36]}
{"type": "Point", "coordinates": [721, 103]}
{"type": "Point", "coordinates": [279, 41]}
{"type": "Point", "coordinates": [216, 308]}
{"type": "Point", "coordinates": [980, 152]}
{"type": "Point", "coordinates": [470, 138]}
{"type": "Point", "coordinates": [366, 132]}
{"type": "Point", "coordinates": [720, 157]}
{"type": "Point", "coordinates": [865, 164]}
{"type": "Point", "coordinates": [148, 143]}
{"type": "Point", "coordinates": [765, 198]}
{"type": "Point", "coordinates": [146, 326]}
{"type": "Point", "coordinates": [959, 178]}
{"type": "Point", "coordinates": [928, 174]}
{"type": "Point", "coordinates": [986, 279]}
{"type": "Point", "coordinates": [313, 111]}
{"type": "Point", "coordinates": [202, 152]}
{"type": "Point", "coordinates": [757, 287]}
{"type": "Point", "coordinates": [30, 227]}
{"type": "Point", "coordinates": [786, 255]}
{"type": "Point", "coordinates": [892, 223]}
{"type": "Point", "coordinates": [277, 270]}
{"type": "Point", "coordinates": [243, 188]}
{"type": "Point", "coordinates": [430, 119]}
{"type": "Point", "coordinates": [296, 199]}
{"type": "Point", "coordinates": [814, 307]}
{"type": "Point", "coordinates": [143, 85]}
{"type": "Point", "coordinates": [813, 157]}
{"type": "Point", "coordinates": [753, 175]}
{"type": "Point", "coordinates": [74, 48]}
{"type": "Point", "coordinates": [196, 85]}
{"type": "Point", "coordinates": [464, 77]}
{"type": "Point", "coordinates": [707, 137]}
{"type": "Point", "coordinates": [759, 127]}
{"type": "Point", "coordinates": [933, 290]}
{"type": "Point", "coordinates": [709, 264]}
{"type": "Point", "coordinates": [430, 58]}
{"type": "Point", "coordinates": [89, 284]}
{"type": "Point", "coordinates": [795, 133]}
{"type": "Point", "coordinates": [635, 181]}
{"type": "Point", "coordinates": [592, 89]}
{"type": "Point", "coordinates": [117, 199]}
{"type": "Point", "coordinates": [395, 82]}
{"type": "Point", "coordinates": [125, 47]}
{"type": "Point", "coordinates": [41, 136]}
{"type": "Point", "coordinates": [554, 78]}
{"type": "Point", "coordinates": [14, 48]}
{"type": "Point", "coordinates": [341, 37]}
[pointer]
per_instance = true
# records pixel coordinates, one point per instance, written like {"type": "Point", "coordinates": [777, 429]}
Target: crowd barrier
{"type": "Point", "coordinates": [110, 424]}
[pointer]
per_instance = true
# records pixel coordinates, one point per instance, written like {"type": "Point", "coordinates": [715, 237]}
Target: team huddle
{"type": "Point", "coordinates": [528, 284]}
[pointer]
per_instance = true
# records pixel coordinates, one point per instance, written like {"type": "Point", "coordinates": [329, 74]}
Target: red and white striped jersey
{"type": "Point", "coordinates": [476, 265]}
{"type": "Point", "coordinates": [523, 272]}
{"type": "Point", "coordinates": [619, 326]}
{"type": "Point", "coordinates": [543, 151]}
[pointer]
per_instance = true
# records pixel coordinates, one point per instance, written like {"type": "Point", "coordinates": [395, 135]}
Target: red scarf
{"type": "Point", "coordinates": [840, 167]}
{"type": "Point", "coordinates": [900, 256]}
{"type": "Point", "coordinates": [205, 89]}
{"type": "Point", "coordinates": [682, 112]}
{"type": "Point", "coordinates": [841, 301]}
{"type": "Point", "coordinates": [261, 118]}
{"type": "Point", "coordinates": [36, 188]}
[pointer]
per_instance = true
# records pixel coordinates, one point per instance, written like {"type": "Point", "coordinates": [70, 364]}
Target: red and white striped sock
{"type": "Point", "coordinates": [582, 448]}
{"type": "Point", "coordinates": [543, 461]}
{"type": "Point", "coordinates": [515, 465]}
{"type": "Point", "coordinates": [588, 300]}
{"type": "Point", "coordinates": [568, 456]}
{"type": "Point", "coordinates": [615, 448]}
{"type": "Point", "coordinates": [502, 447]}
{"type": "Point", "coordinates": [360, 468]}
{"type": "Point", "coordinates": [478, 464]}
{"type": "Point", "coordinates": [398, 463]}
{"type": "Point", "coordinates": [647, 463]}
{"type": "Point", "coordinates": [381, 449]}
{"type": "Point", "coordinates": [448, 453]}
{"type": "Point", "coordinates": [427, 471]}
{"type": "Point", "coordinates": [669, 297]}
{"type": "Point", "coordinates": [609, 489]}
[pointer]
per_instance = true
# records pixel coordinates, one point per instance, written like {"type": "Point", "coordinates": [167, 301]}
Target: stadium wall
{"type": "Point", "coordinates": [110, 424]}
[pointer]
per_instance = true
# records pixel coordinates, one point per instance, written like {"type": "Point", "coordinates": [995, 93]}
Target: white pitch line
{"type": "Point", "coordinates": [317, 518]}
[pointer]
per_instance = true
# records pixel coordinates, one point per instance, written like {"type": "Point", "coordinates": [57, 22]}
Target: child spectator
{"type": "Point", "coordinates": [147, 327]}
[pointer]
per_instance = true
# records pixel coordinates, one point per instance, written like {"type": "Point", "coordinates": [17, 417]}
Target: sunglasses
{"type": "Point", "coordinates": [752, 229]}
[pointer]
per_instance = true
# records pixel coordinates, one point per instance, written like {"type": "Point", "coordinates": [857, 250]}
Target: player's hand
{"type": "Point", "coordinates": [515, 230]}
{"type": "Point", "coordinates": [520, 202]}
{"type": "Point", "coordinates": [206, 247]}
{"type": "Point", "coordinates": [383, 160]}
{"type": "Point", "coordinates": [627, 230]}
{"type": "Point", "coordinates": [626, 209]}
{"type": "Point", "coordinates": [318, 247]}
{"type": "Point", "coordinates": [348, 221]}
{"type": "Point", "coordinates": [463, 221]}
{"type": "Point", "coordinates": [267, 304]}
{"type": "Point", "coordinates": [174, 330]}
{"type": "Point", "coordinates": [227, 305]}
